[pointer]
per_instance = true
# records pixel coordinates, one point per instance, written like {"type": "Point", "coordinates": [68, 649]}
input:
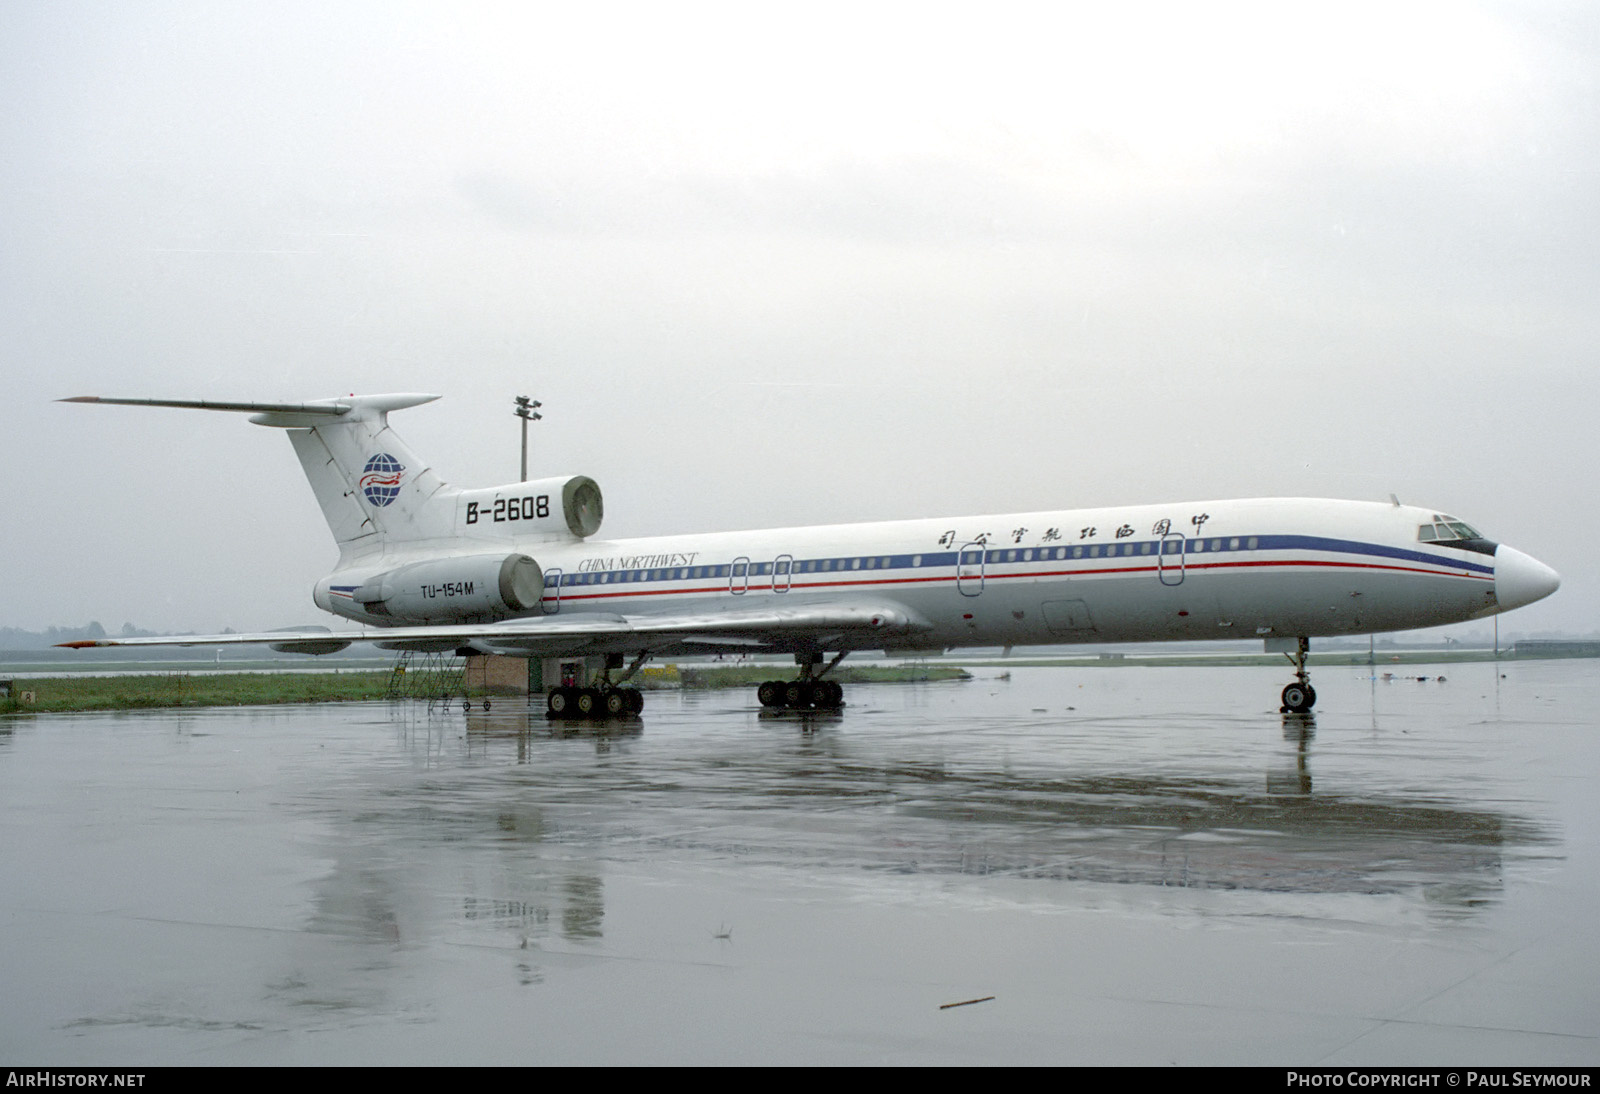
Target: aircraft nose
{"type": "Point", "coordinates": [1521, 579]}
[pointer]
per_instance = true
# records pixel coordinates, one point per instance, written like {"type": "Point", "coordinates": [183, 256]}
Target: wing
{"type": "Point", "coordinates": [770, 628]}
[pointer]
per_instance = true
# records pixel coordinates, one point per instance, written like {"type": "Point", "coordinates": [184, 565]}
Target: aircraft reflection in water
{"type": "Point", "coordinates": [516, 570]}
{"type": "Point", "coordinates": [1164, 828]}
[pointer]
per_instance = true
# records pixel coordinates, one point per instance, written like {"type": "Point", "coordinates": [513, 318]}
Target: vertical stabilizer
{"type": "Point", "coordinates": [370, 484]}
{"type": "Point", "coordinates": [372, 488]}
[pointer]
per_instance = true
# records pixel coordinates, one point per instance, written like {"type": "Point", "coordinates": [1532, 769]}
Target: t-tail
{"type": "Point", "coordinates": [380, 497]}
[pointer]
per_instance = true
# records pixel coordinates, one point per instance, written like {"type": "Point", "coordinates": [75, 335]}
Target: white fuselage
{"type": "Point", "coordinates": [518, 569]}
{"type": "Point", "coordinates": [1270, 567]}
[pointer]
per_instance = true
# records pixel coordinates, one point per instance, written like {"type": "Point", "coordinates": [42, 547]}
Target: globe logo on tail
{"type": "Point", "coordinates": [380, 481]}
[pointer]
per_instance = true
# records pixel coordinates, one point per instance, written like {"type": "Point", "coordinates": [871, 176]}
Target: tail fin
{"type": "Point", "coordinates": [376, 493]}
{"type": "Point", "coordinates": [369, 483]}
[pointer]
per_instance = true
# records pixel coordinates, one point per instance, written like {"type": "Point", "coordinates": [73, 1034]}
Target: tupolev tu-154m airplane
{"type": "Point", "coordinates": [517, 570]}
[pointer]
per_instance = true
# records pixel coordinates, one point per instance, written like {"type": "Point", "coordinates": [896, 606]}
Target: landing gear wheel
{"type": "Point", "coordinates": [635, 700]}
{"type": "Point", "coordinates": [1299, 698]}
{"type": "Point", "coordinates": [559, 703]}
{"type": "Point", "coordinates": [797, 695]}
{"type": "Point", "coordinates": [771, 693]}
{"type": "Point", "coordinates": [616, 704]}
{"type": "Point", "coordinates": [588, 702]}
{"type": "Point", "coordinates": [831, 694]}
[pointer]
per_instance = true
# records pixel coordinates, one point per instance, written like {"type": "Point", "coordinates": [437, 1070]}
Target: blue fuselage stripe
{"type": "Point", "coordinates": [1197, 553]}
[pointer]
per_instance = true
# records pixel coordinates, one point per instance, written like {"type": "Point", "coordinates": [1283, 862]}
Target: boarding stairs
{"type": "Point", "coordinates": [436, 678]}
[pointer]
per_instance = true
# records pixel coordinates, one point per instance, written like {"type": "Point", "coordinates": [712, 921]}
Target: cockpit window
{"type": "Point", "coordinates": [1446, 528]}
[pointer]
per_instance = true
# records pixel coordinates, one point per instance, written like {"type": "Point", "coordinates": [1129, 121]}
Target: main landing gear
{"type": "Point", "coordinates": [604, 699]}
{"type": "Point", "coordinates": [810, 692]}
{"type": "Point", "coordinates": [800, 694]}
{"type": "Point", "coordinates": [1299, 697]}
{"type": "Point", "coordinates": [569, 702]}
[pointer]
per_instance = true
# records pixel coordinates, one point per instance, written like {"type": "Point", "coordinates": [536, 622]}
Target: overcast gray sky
{"type": "Point", "coordinates": [790, 264]}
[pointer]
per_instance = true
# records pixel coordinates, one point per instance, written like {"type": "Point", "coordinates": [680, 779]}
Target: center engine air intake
{"type": "Point", "coordinates": [452, 590]}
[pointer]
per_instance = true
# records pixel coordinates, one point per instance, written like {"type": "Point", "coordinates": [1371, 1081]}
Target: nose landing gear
{"type": "Point", "coordinates": [1299, 697]}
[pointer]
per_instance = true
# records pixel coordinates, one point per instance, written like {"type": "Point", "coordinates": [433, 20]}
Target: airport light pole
{"type": "Point", "coordinates": [528, 411]}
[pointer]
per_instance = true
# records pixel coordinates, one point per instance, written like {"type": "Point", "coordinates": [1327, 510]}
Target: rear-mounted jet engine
{"type": "Point", "coordinates": [453, 590]}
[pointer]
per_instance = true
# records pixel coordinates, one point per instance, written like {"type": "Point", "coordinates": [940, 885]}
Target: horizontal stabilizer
{"type": "Point", "coordinates": [373, 491]}
{"type": "Point", "coordinates": [283, 415]}
{"type": "Point", "coordinates": [325, 407]}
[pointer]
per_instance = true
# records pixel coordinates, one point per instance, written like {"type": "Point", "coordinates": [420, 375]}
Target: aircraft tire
{"type": "Point", "coordinates": [797, 695]}
{"type": "Point", "coordinates": [635, 700]}
{"type": "Point", "coordinates": [770, 693]}
{"type": "Point", "coordinates": [559, 703]}
{"type": "Point", "coordinates": [616, 704]}
{"type": "Point", "coordinates": [1298, 698]}
{"type": "Point", "coordinates": [588, 703]}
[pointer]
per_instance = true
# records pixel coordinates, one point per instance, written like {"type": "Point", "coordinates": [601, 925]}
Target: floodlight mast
{"type": "Point", "coordinates": [527, 410]}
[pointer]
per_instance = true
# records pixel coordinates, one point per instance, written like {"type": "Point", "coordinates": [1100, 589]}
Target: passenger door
{"type": "Point", "coordinates": [1169, 563]}
{"type": "Point", "coordinates": [969, 569]}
